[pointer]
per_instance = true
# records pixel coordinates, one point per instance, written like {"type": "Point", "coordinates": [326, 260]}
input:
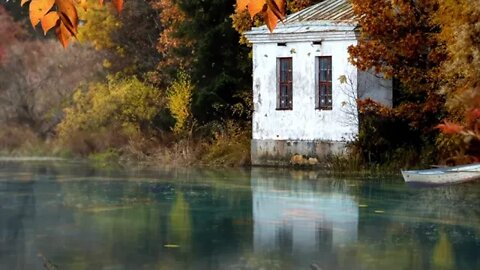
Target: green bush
{"type": "Point", "coordinates": [108, 115]}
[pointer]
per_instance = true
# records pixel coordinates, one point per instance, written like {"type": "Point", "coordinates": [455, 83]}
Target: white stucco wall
{"type": "Point", "coordinates": [304, 121]}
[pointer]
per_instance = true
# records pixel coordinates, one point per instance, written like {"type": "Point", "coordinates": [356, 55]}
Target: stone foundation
{"type": "Point", "coordinates": [280, 152]}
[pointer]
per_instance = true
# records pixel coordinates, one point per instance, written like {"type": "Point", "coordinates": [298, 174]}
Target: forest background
{"type": "Point", "coordinates": [169, 82]}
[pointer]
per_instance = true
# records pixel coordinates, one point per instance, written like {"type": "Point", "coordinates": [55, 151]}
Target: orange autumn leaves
{"type": "Point", "coordinates": [272, 10]}
{"type": "Point", "coordinates": [59, 14]}
{"type": "Point", "coordinates": [470, 129]}
{"type": "Point", "coordinates": [62, 14]}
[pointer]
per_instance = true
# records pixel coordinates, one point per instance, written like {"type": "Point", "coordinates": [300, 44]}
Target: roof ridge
{"type": "Point", "coordinates": [327, 10]}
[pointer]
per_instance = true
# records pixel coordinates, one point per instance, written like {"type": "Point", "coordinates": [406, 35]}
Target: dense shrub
{"type": "Point", "coordinates": [230, 146]}
{"type": "Point", "coordinates": [387, 138]}
{"type": "Point", "coordinates": [109, 114]}
{"type": "Point", "coordinates": [179, 102]}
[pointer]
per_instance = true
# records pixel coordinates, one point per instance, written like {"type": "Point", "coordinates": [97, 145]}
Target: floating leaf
{"type": "Point", "coordinates": [100, 209]}
{"type": "Point", "coordinates": [38, 9]}
{"type": "Point", "coordinates": [49, 21]}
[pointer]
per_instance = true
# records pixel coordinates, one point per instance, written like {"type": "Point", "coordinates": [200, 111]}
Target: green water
{"type": "Point", "coordinates": [71, 216]}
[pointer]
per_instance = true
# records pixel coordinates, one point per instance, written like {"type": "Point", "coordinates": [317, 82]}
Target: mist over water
{"type": "Point", "coordinates": [73, 216]}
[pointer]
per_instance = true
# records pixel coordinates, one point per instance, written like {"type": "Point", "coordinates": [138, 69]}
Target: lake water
{"type": "Point", "coordinates": [61, 215]}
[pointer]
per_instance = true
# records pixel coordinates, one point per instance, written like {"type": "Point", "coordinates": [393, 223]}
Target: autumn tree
{"type": "Point", "coordinates": [10, 31]}
{"type": "Point", "coordinates": [174, 49]}
{"type": "Point", "coordinates": [198, 39]}
{"type": "Point", "coordinates": [129, 46]}
{"type": "Point", "coordinates": [399, 40]}
{"type": "Point", "coordinates": [460, 75]}
{"type": "Point", "coordinates": [37, 77]}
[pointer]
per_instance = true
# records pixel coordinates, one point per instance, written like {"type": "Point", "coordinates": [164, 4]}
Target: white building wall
{"type": "Point", "coordinates": [304, 122]}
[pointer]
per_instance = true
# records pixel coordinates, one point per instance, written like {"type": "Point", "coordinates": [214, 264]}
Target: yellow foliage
{"type": "Point", "coordinates": [126, 103]}
{"type": "Point", "coordinates": [443, 256]}
{"type": "Point", "coordinates": [99, 24]}
{"type": "Point", "coordinates": [180, 223]}
{"type": "Point", "coordinates": [179, 100]}
{"type": "Point", "coordinates": [231, 145]}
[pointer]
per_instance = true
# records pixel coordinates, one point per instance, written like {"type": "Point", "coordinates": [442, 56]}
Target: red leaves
{"type": "Point", "coordinates": [370, 106]}
{"type": "Point", "coordinates": [272, 10]}
{"type": "Point", "coordinates": [118, 4]}
{"type": "Point", "coordinates": [64, 19]}
{"type": "Point", "coordinates": [473, 116]}
{"type": "Point", "coordinates": [450, 128]}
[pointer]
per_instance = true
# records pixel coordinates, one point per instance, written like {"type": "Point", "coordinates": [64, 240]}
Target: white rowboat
{"type": "Point", "coordinates": [441, 176]}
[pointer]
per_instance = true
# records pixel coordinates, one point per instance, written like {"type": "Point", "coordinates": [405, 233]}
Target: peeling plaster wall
{"type": "Point", "coordinates": [277, 135]}
{"type": "Point", "coordinates": [304, 122]}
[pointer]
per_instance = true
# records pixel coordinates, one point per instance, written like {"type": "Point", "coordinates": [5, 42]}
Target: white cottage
{"type": "Point", "coordinates": [304, 87]}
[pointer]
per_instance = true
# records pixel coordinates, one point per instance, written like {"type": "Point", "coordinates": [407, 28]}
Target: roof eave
{"type": "Point", "coordinates": [304, 31]}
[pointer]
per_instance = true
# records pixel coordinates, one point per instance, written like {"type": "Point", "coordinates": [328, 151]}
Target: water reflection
{"type": "Point", "coordinates": [297, 218]}
{"type": "Point", "coordinates": [15, 212]}
{"type": "Point", "coordinates": [77, 217]}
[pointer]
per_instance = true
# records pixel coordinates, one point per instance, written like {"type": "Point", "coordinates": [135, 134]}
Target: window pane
{"type": "Point", "coordinates": [284, 83]}
{"type": "Point", "coordinates": [325, 82]}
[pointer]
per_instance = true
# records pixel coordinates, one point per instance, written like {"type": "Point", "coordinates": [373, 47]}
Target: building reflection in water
{"type": "Point", "coordinates": [301, 216]}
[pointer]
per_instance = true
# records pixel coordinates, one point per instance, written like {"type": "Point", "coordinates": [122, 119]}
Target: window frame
{"type": "Point", "coordinates": [288, 83]}
{"type": "Point", "coordinates": [328, 83]}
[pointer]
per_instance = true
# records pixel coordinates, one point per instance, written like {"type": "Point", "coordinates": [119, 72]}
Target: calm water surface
{"type": "Point", "coordinates": [71, 216]}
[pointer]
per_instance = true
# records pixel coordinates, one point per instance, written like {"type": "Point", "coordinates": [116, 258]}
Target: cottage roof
{"type": "Point", "coordinates": [327, 10]}
{"type": "Point", "coordinates": [329, 19]}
